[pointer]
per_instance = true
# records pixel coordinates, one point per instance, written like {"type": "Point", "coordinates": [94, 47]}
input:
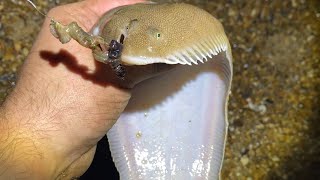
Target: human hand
{"type": "Point", "coordinates": [64, 102]}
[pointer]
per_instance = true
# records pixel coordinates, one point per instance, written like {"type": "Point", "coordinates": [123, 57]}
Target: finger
{"type": "Point", "coordinates": [79, 166]}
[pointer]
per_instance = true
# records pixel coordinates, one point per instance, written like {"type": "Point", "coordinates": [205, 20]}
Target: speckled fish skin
{"type": "Point", "coordinates": [175, 125]}
{"type": "Point", "coordinates": [164, 33]}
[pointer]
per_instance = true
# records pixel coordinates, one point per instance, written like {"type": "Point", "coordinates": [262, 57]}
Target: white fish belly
{"type": "Point", "coordinates": [174, 127]}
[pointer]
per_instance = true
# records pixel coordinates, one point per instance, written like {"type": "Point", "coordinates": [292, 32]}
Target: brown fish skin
{"type": "Point", "coordinates": [161, 30]}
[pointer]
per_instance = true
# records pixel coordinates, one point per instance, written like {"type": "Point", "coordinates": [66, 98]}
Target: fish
{"type": "Point", "coordinates": [175, 124]}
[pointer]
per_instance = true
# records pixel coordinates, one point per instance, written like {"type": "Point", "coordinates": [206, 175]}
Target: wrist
{"type": "Point", "coordinates": [36, 130]}
{"type": "Point", "coordinates": [21, 157]}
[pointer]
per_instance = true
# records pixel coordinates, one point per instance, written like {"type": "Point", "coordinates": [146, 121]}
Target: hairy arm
{"type": "Point", "coordinates": [20, 157]}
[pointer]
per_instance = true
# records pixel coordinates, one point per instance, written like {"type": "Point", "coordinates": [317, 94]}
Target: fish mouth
{"type": "Point", "coordinates": [175, 125]}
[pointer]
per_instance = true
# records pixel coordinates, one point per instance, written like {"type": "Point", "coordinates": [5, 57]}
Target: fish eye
{"type": "Point", "coordinates": [154, 33]}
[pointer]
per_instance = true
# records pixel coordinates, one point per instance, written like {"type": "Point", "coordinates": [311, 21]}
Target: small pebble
{"type": "Point", "coordinates": [275, 159]}
{"type": "Point", "coordinates": [17, 46]}
{"type": "Point", "coordinates": [244, 160]}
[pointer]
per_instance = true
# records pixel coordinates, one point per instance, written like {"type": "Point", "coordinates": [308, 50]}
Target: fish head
{"type": "Point", "coordinates": [168, 33]}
